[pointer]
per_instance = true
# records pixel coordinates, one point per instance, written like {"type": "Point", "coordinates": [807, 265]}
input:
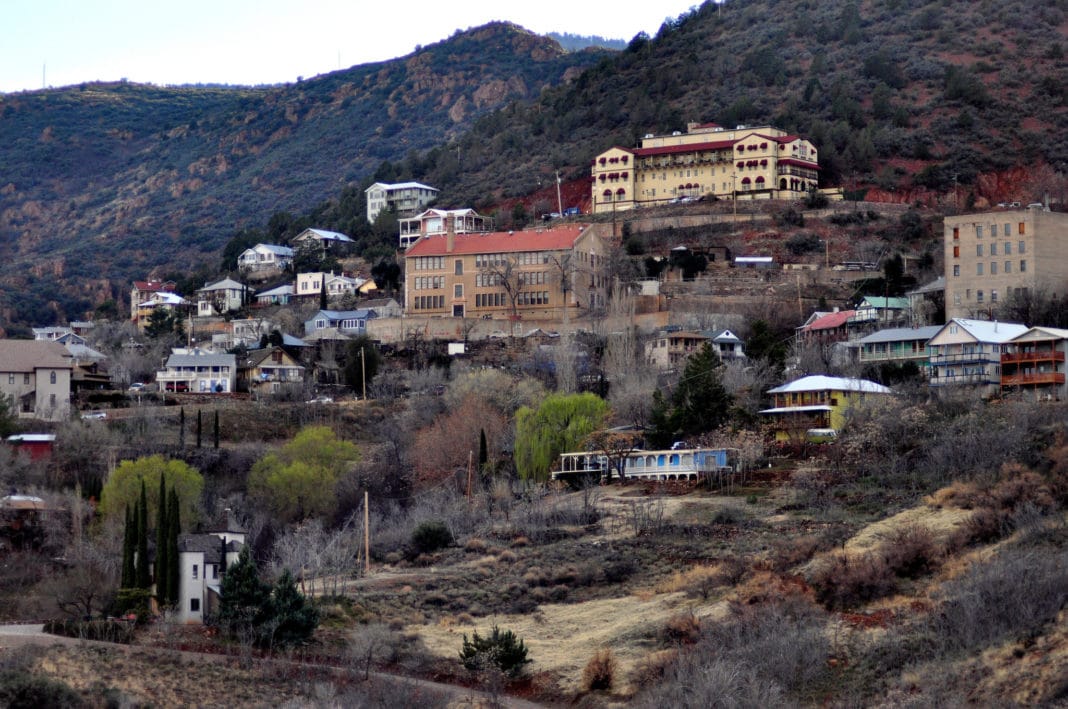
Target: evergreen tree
{"type": "Point", "coordinates": [129, 544]}
{"type": "Point", "coordinates": [322, 295]}
{"type": "Point", "coordinates": [292, 618]}
{"type": "Point", "coordinates": [199, 427]}
{"type": "Point", "coordinates": [699, 404]}
{"type": "Point", "coordinates": [216, 432]}
{"type": "Point", "coordinates": [174, 528]}
{"type": "Point", "coordinates": [245, 599]}
{"type": "Point", "coordinates": [162, 565]}
{"type": "Point", "coordinates": [483, 451]}
{"type": "Point", "coordinates": [143, 579]}
{"type": "Point", "coordinates": [181, 428]}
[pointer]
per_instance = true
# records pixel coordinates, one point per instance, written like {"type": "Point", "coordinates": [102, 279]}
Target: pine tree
{"type": "Point", "coordinates": [129, 543]}
{"type": "Point", "coordinates": [142, 579]}
{"type": "Point", "coordinates": [483, 451]}
{"type": "Point", "coordinates": [292, 618]}
{"type": "Point", "coordinates": [162, 565]}
{"type": "Point", "coordinates": [245, 599]}
{"type": "Point", "coordinates": [174, 528]}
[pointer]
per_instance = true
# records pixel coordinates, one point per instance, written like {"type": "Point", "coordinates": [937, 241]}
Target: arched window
{"type": "Point", "coordinates": [52, 377]}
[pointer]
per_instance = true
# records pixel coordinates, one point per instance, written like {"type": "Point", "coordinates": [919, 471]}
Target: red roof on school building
{"type": "Point", "coordinates": [555, 238]}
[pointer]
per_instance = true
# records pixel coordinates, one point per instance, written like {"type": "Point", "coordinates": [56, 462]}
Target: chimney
{"type": "Point", "coordinates": [450, 235]}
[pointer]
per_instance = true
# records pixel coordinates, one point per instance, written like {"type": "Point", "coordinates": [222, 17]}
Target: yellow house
{"type": "Point", "coordinates": [747, 162]}
{"type": "Point", "coordinates": [816, 406]}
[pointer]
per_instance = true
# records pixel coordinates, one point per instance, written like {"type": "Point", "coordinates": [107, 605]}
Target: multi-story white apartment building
{"type": "Point", "coordinates": [968, 352]}
{"type": "Point", "coordinates": [406, 198]}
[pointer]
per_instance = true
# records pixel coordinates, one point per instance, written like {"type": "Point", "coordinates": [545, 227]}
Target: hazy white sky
{"type": "Point", "coordinates": [63, 42]}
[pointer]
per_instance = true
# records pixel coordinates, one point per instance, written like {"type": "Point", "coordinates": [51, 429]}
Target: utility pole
{"type": "Point", "coordinates": [366, 534]}
{"type": "Point", "coordinates": [559, 202]}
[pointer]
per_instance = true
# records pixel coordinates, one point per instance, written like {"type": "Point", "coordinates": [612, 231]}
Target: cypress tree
{"type": "Point", "coordinates": [483, 451]}
{"type": "Point", "coordinates": [181, 428]}
{"type": "Point", "coordinates": [322, 294]}
{"type": "Point", "coordinates": [216, 428]}
{"type": "Point", "coordinates": [162, 567]}
{"type": "Point", "coordinates": [128, 544]}
{"type": "Point", "coordinates": [174, 528]}
{"type": "Point", "coordinates": [198, 427]}
{"type": "Point", "coordinates": [142, 580]}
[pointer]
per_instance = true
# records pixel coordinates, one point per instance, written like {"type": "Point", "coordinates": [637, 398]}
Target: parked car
{"type": "Point", "coordinates": [94, 415]}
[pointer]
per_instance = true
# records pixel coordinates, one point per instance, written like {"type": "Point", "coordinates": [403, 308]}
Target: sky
{"type": "Point", "coordinates": [250, 42]}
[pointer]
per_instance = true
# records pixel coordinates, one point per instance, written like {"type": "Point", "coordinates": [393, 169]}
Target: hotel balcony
{"type": "Point", "coordinates": [956, 379]}
{"type": "Point", "coordinates": [1032, 379]}
{"type": "Point", "coordinates": [1033, 356]}
{"type": "Point", "coordinates": [940, 360]}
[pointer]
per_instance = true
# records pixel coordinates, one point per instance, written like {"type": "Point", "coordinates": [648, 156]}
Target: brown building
{"type": "Point", "coordinates": [535, 273]}
{"type": "Point", "coordinates": [992, 255]}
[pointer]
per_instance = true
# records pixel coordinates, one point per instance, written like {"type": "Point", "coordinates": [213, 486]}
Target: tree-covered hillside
{"type": "Point", "coordinates": [102, 182]}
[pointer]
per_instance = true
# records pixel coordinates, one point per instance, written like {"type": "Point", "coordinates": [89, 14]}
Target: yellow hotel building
{"type": "Point", "coordinates": [759, 162]}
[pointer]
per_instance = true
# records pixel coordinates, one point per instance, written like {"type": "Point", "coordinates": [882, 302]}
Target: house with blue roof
{"type": "Point", "coordinates": [346, 322]}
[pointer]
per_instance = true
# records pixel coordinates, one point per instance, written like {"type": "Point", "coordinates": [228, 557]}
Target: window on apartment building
{"type": "Point", "coordinates": [1021, 247]}
{"type": "Point", "coordinates": [196, 570]}
{"type": "Point", "coordinates": [978, 269]}
{"type": "Point", "coordinates": [994, 299]}
{"type": "Point", "coordinates": [979, 250]}
{"type": "Point", "coordinates": [26, 378]}
{"type": "Point", "coordinates": [1008, 229]}
{"type": "Point", "coordinates": [458, 267]}
{"type": "Point", "coordinates": [1008, 267]}
{"type": "Point", "coordinates": [1020, 228]}
{"type": "Point", "coordinates": [1023, 265]}
{"type": "Point", "coordinates": [978, 231]}
{"type": "Point", "coordinates": [956, 230]}
{"type": "Point", "coordinates": [1006, 248]}
{"type": "Point", "coordinates": [956, 270]}
{"type": "Point", "coordinates": [51, 377]}
{"type": "Point", "coordinates": [993, 249]}
{"type": "Point", "coordinates": [956, 252]}
{"type": "Point", "coordinates": [993, 268]}
{"type": "Point", "coordinates": [458, 290]}
{"type": "Point", "coordinates": [978, 296]}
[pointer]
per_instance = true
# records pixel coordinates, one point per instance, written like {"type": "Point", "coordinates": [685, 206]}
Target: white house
{"type": "Point", "coordinates": [221, 297]}
{"type": "Point", "coordinates": [336, 284]}
{"type": "Point", "coordinates": [265, 257]}
{"type": "Point", "coordinates": [969, 352]}
{"type": "Point", "coordinates": [201, 568]}
{"type": "Point", "coordinates": [406, 198]}
{"type": "Point", "coordinates": [198, 371]}
{"type": "Point", "coordinates": [36, 374]}
{"type": "Point", "coordinates": [439, 221]}
{"type": "Point", "coordinates": [728, 345]}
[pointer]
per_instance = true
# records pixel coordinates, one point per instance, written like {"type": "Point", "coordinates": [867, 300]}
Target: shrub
{"type": "Point", "coordinates": [682, 628]}
{"type": "Point", "coordinates": [430, 536]}
{"type": "Point", "coordinates": [846, 582]}
{"type": "Point", "coordinates": [106, 630]}
{"type": "Point", "coordinates": [501, 650]}
{"type": "Point", "coordinates": [22, 689]}
{"type": "Point", "coordinates": [911, 552]}
{"type": "Point", "coordinates": [600, 671]}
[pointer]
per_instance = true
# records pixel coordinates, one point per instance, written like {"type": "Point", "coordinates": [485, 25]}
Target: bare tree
{"type": "Point", "coordinates": [505, 272]}
{"type": "Point", "coordinates": [84, 588]}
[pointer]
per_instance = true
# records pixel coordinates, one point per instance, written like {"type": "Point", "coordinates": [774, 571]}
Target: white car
{"type": "Point", "coordinates": [97, 415]}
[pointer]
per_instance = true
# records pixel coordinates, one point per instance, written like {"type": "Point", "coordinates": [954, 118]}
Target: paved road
{"type": "Point", "coordinates": [23, 634]}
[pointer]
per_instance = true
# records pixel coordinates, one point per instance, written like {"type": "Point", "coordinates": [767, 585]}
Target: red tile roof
{"type": "Point", "coordinates": [692, 147]}
{"type": "Point", "coordinates": [556, 238]}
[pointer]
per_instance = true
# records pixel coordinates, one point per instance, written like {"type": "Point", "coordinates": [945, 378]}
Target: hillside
{"type": "Point", "coordinates": [902, 98]}
{"type": "Point", "coordinates": [906, 101]}
{"type": "Point", "coordinates": [102, 182]}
